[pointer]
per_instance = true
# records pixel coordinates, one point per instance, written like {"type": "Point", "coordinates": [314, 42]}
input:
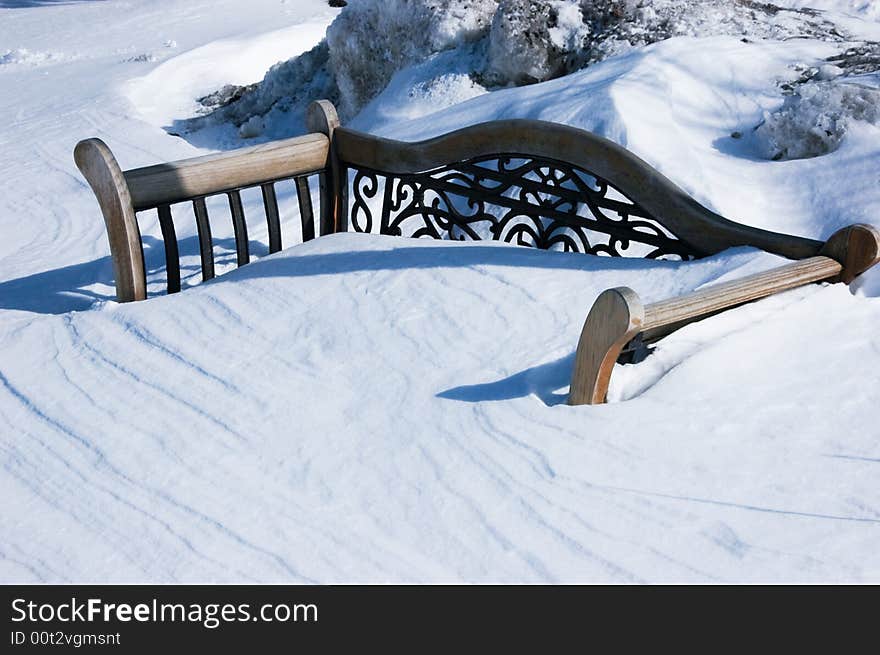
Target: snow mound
{"type": "Point", "coordinates": [496, 43]}
{"type": "Point", "coordinates": [372, 39]}
{"type": "Point", "coordinates": [868, 9]}
{"type": "Point", "coordinates": [351, 397]}
{"type": "Point", "coordinates": [815, 120]}
{"type": "Point", "coordinates": [532, 41]}
{"type": "Point", "coordinates": [363, 408]}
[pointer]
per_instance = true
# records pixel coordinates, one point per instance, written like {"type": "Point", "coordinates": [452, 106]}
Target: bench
{"type": "Point", "coordinates": [524, 182]}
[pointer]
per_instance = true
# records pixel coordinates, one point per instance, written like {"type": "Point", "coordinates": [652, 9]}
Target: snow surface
{"type": "Point", "coordinates": [365, 408]}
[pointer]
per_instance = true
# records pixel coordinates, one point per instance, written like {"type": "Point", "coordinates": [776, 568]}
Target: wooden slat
{"type": "Point", "coordinates": [729, 294]}
{"type": "Point", "coordinates": [172, 257]}
{"type": "Point", "coordinates": [206, 243]}
{"type": "Point", "coordinates": [270, 203]}
{"type": "Point", "coordinates": [304, 197]}
{"type": "Point", "coordinates": [201, 176]}
{"type": "Point", "coordinates": [327, 206]}
{"type": "Point", "coordinates": [340, 193]}
{"type": "Point", "coordinates": [239, 226]}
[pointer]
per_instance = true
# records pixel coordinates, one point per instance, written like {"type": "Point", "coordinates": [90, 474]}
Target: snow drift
{"type": "Point", "coordinates": [373, 409]}
{"type": "Point", "coordinates": [488, 44]}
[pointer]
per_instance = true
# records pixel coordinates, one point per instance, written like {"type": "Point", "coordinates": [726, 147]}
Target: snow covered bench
{"type": "Point", "coordinates": [524, 182]}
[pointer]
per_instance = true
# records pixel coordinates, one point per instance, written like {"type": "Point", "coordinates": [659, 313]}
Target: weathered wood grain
{"type": "Point", "coordinates": [618, 315]}
{"type": "Point", "coordinates": [201, 176]}
{"type": "Point", "coordinates": [105, 177]}
{"type": "Point", "coordinates": [321, 117]}
{"type": "Point", "coordinates": [615, 318]}
{"type": "Point", "coordinates": [737, 292]}
{"type": "Point", "coordinates": [856, 247]}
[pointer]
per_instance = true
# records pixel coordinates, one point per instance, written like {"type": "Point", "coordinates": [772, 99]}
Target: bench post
{"type": "Point", "coordinates": [100, 168]}
{"type": "Point", "coordinates": [616, 317]}
{"type": "Point", "coordinates": [856, 247]}
{"type": "Point", "coordinates": [321, 117]}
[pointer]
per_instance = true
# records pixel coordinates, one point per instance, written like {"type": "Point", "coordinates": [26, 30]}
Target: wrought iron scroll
{"type": "Point", "coordinates": [517, 199]}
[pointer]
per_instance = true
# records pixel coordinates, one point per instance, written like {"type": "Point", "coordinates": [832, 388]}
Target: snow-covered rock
{"type": "Point", "coordinates": [373, 39]}
{"type": "Point", "coordinates": [496, 43]}
{"type": "Point", "coordinates": [535, 40]}
{"type": "Point", "coordinates": [815, 119]}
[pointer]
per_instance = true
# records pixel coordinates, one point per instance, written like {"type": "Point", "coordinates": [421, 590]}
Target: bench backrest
{"type": "Point", "coordinates": [524, 182]}
{"type": "Point", "coordinates": [539, 184]}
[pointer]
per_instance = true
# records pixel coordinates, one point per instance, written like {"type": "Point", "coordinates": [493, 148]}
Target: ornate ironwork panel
{"type": "Point", "coordinates": [518, 199]}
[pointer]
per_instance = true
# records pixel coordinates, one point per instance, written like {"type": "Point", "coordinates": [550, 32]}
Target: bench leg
{"type": "Point", "coordinates": [102, 172]}
{"type": "Point", "coordinates": [615, 318]}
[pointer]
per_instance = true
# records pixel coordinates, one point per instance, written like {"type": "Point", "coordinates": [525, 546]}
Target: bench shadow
{"type": "Point", "coordinates": [60, 290]}
{"type": "Point", "coordinates": [24, 4]}
{"type": "Point", "coordinates": [428, 257]}
{"type": "Point", "coordinates": [64, 289]}
{"type": "Point", "coordinates": [542, 381]}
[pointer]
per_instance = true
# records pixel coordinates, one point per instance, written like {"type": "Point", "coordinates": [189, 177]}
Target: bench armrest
{"type": "Point", "coordinates": [618, 315]}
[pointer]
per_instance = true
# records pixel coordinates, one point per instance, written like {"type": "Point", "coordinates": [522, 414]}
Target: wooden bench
{"type": "Point", "coordinates": [524, 182]}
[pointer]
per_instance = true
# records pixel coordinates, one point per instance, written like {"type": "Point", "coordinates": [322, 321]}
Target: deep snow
{"type": "Point", "coordinates": [365, 408]}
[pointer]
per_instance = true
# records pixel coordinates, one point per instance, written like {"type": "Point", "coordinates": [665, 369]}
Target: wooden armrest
{"type": "Point", "coordinates": [716, 297]}
{"type": "Point", "coordinates": [618, 316]}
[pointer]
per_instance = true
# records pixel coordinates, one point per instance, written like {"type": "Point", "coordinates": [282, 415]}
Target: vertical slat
{"type": "Point", "coordinates": [239, 227]}
{"type": "Point", "coordinates": [326, 203]}
{"type": "Point", "coordinates": [304, 196]}
{"type": "Point", "coordinates": [172, 258]}
{"type": "Point", "coordinates": [321, 117]}
{"type": "Point", "coordinates": [341, 191]}
{"type": "Point", "coordinates": [270, 202]}
{"type": "Point", "coordinates": [385, 217]}
{"type": "Point", "coordinates": [336, 192]}
{"type": "Point", "coordinates": [206, 243]}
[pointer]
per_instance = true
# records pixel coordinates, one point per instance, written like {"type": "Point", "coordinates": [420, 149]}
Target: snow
{"type": "Point", "coordinates": [169, 91]}
{"type": "Point", "coordinates": [373, 39]}
{"type": "Point", "coordinates": [372, 409]}
{"type": "Point", "coordinates": [868, 9]}
{"type": "Point", "coordinates": [815, 120]}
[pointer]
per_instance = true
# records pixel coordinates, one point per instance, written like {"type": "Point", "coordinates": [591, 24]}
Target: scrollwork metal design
{"type": "Point", "coordinates": [518, 199]}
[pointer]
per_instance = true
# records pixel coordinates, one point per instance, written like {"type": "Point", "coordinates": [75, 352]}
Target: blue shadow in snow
{"type": "Point", "coordinates": [428, 257]}
{"type": "Point", "coordinates": [24, 4]}
{"type": "Point", "coordinates": [542, 381]}
{"type": "Point", "coordinates": [63, 289]}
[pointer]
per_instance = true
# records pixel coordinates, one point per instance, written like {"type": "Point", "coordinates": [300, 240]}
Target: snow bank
{"type": "Point", "coordinates": [868, 9]}
{"type": "Point", "coordinates": [373, 39]}
{"type": "Point", "coordinates": [176, 89]}
{"type": "Point", "coordinates": [496, 43]}
{"type": "Point", "coordinates": [372, 409]}
{"type": "Point", "coordinates": [345, 411]}
{"type": "Point", "coordinates": [814, 121]}
{"type": "Point", "coordinates": [533, 41]}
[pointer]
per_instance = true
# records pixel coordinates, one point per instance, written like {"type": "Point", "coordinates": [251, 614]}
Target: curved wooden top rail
{"type": "Point", "coordinates": [177, 181]}
{"type": "Point", "coordinates": [703, 230]}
